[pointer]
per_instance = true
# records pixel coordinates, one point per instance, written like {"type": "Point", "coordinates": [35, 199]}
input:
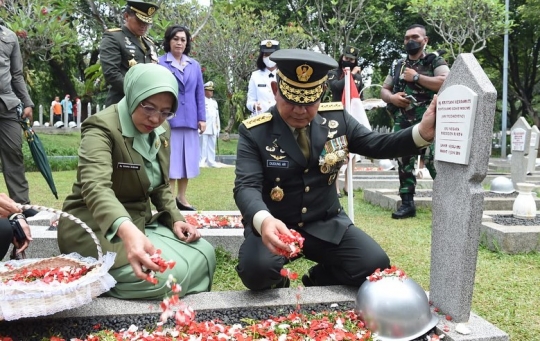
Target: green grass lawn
{"type": "Point", "coordinates": [507, 290]}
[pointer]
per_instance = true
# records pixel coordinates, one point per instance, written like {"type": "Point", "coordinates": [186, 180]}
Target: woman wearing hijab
{"type": "Point", "coordinates": [123, 170]}
{"type": "Point", "coordinates": [190, 119]}
{"type": "Point", "coordinates": [260, 96]}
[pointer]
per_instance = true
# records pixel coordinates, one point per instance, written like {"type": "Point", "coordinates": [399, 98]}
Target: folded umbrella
{"type": "Point", "coordinates": [38, 154]}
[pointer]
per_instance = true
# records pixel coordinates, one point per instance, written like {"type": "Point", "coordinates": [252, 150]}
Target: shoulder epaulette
{"type": "Point", "coordinates": [330, 106]}
{"type": "Point", "coordinates": [114, 30]}
{"type": "Point", "coordinates": [256, 120]}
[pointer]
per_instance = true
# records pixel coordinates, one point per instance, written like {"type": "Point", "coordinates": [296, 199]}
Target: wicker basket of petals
{"type": "Point", "coordinates": [37, 287]}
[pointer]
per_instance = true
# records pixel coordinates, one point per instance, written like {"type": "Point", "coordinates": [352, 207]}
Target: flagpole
{"type": "Point", "coordinates": [350, 197]}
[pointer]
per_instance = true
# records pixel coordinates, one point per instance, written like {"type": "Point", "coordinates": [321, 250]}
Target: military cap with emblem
{"type": "Point", "coordinates": [209, 86]}
{"type": "Point", "coordinates": [351, 52]}
{"type": "Point", "coordinates": [302, 74]}
{"type": "Point", "coordinates": [143, 10]}
{"type": "Point", "coordinates": [268, 46]}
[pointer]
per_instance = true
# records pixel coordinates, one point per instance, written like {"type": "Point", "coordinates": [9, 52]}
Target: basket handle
{"type": "Point", "coordinates": [70, 217]}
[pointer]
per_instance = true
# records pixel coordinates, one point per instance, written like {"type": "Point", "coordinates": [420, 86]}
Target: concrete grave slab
{"type": "Point", "coordinates": [511, 239]}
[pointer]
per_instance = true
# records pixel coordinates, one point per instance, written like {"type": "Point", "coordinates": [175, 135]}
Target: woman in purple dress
{"type": "Point", "coordinates": [190, 119]}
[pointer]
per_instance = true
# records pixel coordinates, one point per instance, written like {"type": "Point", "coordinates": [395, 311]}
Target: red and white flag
{"type": "Point", "coordinates": [351, 101]}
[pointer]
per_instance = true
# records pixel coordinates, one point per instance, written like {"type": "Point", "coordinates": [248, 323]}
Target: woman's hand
{"type": "Point", "coordinates": [186, 232]}
{"type": "Point", "coordinates": [202, 126]}
{"type": "Point", "coordinates": [7, 206]}
{"type": "Point", "coordinates": [21, 247]}
{"type": "Point", "coordinates": [138, 249]}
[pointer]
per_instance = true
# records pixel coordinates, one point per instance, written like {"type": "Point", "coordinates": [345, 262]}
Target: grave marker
{"type": "Point", "coordinates": [458, 195]}
{"type": "Point", "coordinates": [533, 149]}
{"type": "Point", "coordinates": [520, 137]}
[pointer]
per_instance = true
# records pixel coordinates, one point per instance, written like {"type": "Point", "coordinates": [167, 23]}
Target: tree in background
{"type": "Point", "coordinates": [464, 25]}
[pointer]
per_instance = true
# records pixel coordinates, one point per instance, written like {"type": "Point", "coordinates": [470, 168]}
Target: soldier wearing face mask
{"type": "Point", "coordinates": [336, 81]}
{"type": "Point", "coordinates": [408, 90]}
{"type": "Point", "coordinates": [260, 97]}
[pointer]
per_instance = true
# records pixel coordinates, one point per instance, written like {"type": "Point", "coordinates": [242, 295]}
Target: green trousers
{"type": "Point", "coordinates": [194, 269]}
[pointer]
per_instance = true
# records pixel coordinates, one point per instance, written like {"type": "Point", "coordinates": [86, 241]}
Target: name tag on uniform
{"type": "Point", "coordinates": [123, 165]}
{"type": "Point", "coordinates": [261, 85]}
{"type": "Point", "coordinates": [277, 164]}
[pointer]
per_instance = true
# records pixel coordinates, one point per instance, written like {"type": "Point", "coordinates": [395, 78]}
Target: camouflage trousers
{"type": "Point", "coordinates": [406, 164]}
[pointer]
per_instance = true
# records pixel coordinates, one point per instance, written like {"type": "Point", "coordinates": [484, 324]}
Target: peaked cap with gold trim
{"type": "Point", "coordinates": [143, 10]}
{"type": "Point", "coordinates": [302, 74]}
{"type": "Point", "coordinates": [351, 52]}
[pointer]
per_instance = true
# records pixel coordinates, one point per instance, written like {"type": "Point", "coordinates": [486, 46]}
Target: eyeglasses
{"type": "Point", "coordinates": [150, 111]}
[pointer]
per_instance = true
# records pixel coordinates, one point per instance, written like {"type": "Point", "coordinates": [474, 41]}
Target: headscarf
{"type": "Point", "coordinates": [144, 80]}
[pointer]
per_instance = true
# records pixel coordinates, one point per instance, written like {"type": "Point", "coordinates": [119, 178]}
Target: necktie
{"type": "Point", "coordinates": [303, 141]}
{"type": "Point", "coordinates": [142, 44]}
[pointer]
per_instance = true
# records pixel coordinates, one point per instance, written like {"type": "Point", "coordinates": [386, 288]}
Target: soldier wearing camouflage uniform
{"type": "Point", "coordinates": [408, 89]}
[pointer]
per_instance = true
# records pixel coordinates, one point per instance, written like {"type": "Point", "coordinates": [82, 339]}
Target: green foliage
{"type": "Point", "coordinates": [464, 25]}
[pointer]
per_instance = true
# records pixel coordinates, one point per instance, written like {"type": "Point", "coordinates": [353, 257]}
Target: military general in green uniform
{"type": "Point", "coordinates": [122, 48]}
{"type": "Point", "coordinates": [287, 162]}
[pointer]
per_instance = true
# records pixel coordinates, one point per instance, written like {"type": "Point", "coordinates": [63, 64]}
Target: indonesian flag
{"type": "Point", "coordinates": [351, 100]}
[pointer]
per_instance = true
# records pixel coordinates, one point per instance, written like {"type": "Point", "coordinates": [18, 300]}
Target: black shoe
{"type": "Point", "coordinates": [346, 193]}
{"type": "Point", "coordinates": [182, 207]}
{"type": "Point", "coordinates": [30, 213]}
{"type": "Point", "coordinates": [407, 208]}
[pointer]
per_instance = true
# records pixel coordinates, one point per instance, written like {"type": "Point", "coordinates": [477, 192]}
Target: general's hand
{"type": "Point", "coordinates": [270, 229]}
{"type": "Point", "coordinates": [426, 128]}
{"type": "Point", "coordinates": [20, 248]}
{"type": "Point", "coordinates": [398, 99]}
{"type": "Point", "coordinates": [138, 249]}
{"type": "Point", "coordinates": [202, 126]}
{"type": "Point", "coordinates": [186, 232]}
{"type": "Point", "coordinates": [7, 206]}
{"type": "Point", "coordinates": [28, 113]}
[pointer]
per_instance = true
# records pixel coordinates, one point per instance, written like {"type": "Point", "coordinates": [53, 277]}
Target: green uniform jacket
{"type": "Point", "coordinates": [268, 157]}
{"type": "Point", "coordinates": [104, 191]}
{"type": "Point", "coordinates": [119, 50]}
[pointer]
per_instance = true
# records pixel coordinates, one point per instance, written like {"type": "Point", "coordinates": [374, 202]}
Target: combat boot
{"type": "Point", "coordinates": [407, 209]}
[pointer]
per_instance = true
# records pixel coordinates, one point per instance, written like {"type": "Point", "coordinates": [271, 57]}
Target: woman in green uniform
{"type": "Point", "coordinates": [123, 169]}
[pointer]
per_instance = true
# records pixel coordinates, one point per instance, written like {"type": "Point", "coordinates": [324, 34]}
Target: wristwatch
{"type": "Point", "coordinates": [416, 78]}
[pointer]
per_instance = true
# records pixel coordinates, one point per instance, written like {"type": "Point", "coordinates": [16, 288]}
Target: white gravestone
{"type": "Point", "coordinates": [533, 149]}
{"type": "Point", "coordinates": [520, 139]}
{"type": "Point", "coordinates": [458, 195]}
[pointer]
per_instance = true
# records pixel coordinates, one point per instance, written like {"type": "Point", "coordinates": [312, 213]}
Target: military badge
{"type": "Point", "coordinates": [304, 72]}
{"type": "Point", "coordinates": [270, 149]}
{"type": "Point", "coordinates": [331, 134]}
{"type": "Point", "coordinates": [332, 178]}
{"type": "Point", "coordinates": [334, 153]}
{"type": "Point", "coordinates": [165, 143]}
{"type": "Point", "coordinates": [276, 194]}
{"type": "Point", "coordinates": [323, 121]}
{"type": "Point", "coordinates": [128, 42]}
{"type": "Point", "coordinates": [277, 157]}
{"type": "Point", "coordinates": [157, 144]}
{"type": "Point", "coordinates": [132, 62]}
{"type": "Point", "coordinates": [333, 124]}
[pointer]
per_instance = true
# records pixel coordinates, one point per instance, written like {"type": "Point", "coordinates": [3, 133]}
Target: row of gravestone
{"type": "Point", "coordinates": [524, 141]}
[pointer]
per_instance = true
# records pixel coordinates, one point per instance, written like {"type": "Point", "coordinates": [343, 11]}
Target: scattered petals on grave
{"type": "Point", "coordinates": [201, 220]}
{"type": "Point", "coordinates": [393, 271]}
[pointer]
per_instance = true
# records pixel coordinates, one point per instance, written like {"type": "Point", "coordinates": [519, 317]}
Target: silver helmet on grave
{"type": "Point", "coordinates": [502, 185]}
{"type": "Point", "coordinates": [397, 309]}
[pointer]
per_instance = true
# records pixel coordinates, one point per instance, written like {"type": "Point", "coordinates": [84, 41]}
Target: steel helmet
{"type": "Point", "coordinates": [36, 124]}
{"type": "Point", "coordinates": [72, 124]}
{"type": "Point", "coordinates": [59, 124]}
{"type": "Point", "coordinates": [386, 164]}
{"type": "Point", "coordinates": [501, 184]}
{"type": "Point", "coordinates": [395, 308]}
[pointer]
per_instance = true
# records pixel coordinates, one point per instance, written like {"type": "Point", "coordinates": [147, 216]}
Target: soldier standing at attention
{"type": "Point", "coordinates": [408, 89]}
{"type": "Point", "coordinates": [122, 48]}
{"type": "Point", "coordinates": [287, 162]}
